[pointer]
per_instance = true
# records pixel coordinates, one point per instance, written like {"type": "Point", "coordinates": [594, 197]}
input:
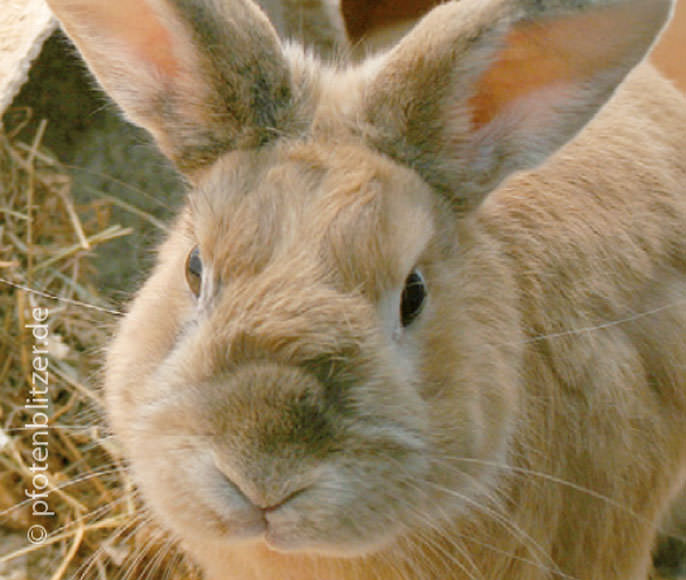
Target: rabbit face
{"type": "Point", "coordinates": [292, 401]}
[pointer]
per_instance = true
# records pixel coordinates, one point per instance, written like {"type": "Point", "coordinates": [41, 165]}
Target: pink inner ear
{"type": "Point", "coordinates": [553, 53]}
{"type": "Point", "coordinates": [135, 24]}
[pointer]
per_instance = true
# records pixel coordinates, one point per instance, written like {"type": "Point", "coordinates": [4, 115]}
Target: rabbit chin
{"type": "Point", "coordinates": [289, 543]}
{"type": "Point", "coordinates": [337, 544]}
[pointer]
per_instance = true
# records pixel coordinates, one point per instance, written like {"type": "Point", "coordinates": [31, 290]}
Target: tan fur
{"type": "Point", "coordinates": [529, 424]}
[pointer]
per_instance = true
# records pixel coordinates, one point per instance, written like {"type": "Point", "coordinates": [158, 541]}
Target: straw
{"type": "Point", "coordinates": [99, 528]}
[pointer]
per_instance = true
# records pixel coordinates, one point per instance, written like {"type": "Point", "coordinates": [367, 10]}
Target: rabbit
{"type": "Point", "coordinates": [421, 317]}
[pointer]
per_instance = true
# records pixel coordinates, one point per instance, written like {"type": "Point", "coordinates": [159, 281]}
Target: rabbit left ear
{"type": "Point", "coordinates": [203, 77]}
{"type": "Point", "coordinates": [480, 89]}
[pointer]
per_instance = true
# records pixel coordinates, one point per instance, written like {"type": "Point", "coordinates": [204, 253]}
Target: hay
{"type": "Point", "coordinates": [98, 529]}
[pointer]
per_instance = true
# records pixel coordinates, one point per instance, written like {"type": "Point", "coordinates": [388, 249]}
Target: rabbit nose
{"type": "Point", "coordinates": [268, 413]}
{"type": "Point", "coordinates": [272, 431]}
{"type": "Point", "coordinates": [279, 504]}
{"type": "Point", "coordinates": [260, 496]}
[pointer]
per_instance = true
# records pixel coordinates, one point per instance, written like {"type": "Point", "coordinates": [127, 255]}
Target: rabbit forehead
{"type": "Point", "coordinates": [337, 207]}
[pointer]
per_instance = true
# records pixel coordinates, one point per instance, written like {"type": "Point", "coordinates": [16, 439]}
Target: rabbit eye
{"type": "Point", "coordinates": [194, 270]}
{"type": "Point", "coordinates": [413, 298]}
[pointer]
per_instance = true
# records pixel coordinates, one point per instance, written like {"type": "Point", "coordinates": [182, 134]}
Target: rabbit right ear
{"type": "Point", "coordinates": [203, 77]}
{"type": "Point", "coordinates": [482, 88]}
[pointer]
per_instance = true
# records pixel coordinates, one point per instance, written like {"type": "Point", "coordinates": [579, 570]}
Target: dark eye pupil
{"type": "Point", "coordinates": [195, 263]}
{"type": "Point", "coordinates": [413, 298]}
{"type": "Point", "coordinates": [194, 271]}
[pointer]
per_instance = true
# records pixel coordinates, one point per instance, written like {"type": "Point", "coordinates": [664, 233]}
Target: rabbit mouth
{"type": "Point", "coordinates": [308, 521]}
{"type": "Point", "coordinates": [283, 531]}
{"type": "Point", "coordinates": [312, 514]}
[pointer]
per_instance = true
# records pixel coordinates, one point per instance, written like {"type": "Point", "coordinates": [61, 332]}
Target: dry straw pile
{"type": "Point", "coordinates": [93, 520]}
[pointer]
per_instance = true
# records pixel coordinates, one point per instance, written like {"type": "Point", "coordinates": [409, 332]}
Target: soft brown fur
{"type": "Point", "coordinates": [530, 423]}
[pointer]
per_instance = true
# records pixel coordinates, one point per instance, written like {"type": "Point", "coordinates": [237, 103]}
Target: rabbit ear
{"type": "Point", "coordinates": [480, 89]}
{"type": "Point", "coordinates": [203, 77]}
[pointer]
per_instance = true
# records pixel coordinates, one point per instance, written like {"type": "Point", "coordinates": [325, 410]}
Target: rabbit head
{"type": "Point", "coordinates": [327, 357]}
